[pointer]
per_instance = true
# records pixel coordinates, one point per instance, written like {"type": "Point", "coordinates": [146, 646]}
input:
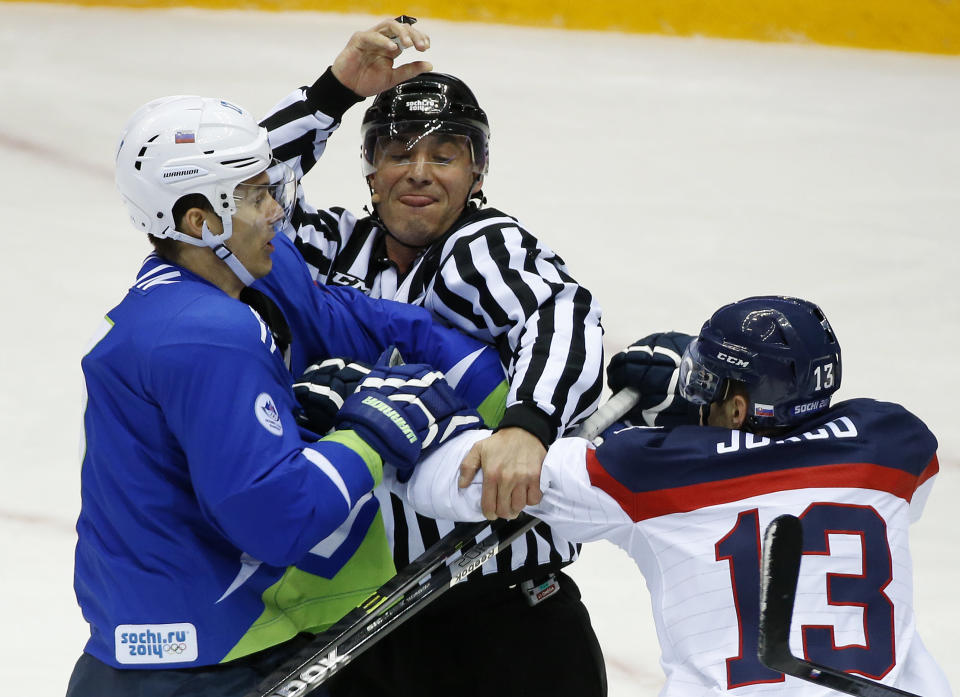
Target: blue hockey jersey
{"type": "Point", "coordinates": [211, 526]}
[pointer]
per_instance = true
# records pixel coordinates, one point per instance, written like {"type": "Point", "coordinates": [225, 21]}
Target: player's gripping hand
{"type": "Point", "coordinates": [403, 410]}
{"type": "Point", "coordinates": [652, 366]}
{"type": "Point", "coordinates": [323, 388]}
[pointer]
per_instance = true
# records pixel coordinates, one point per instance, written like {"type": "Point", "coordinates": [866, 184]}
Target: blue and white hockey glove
{"type": "Point", "coordinates": [401, 411]}
{"type": "Point", "coordinates": [652, 367]}
{"type": "Point", "coordinates": [323, 388]}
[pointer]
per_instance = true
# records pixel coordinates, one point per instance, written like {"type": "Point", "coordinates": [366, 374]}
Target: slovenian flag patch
{"type": "Point", "coordinates": [184, 137]}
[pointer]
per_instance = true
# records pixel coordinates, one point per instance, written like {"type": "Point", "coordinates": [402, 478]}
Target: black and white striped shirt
{"type": "Point", "coordinates": [488, 277]}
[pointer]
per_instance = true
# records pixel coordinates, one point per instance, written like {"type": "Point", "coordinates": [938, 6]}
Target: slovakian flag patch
{"type": "Point", "coordinates": [762, 409]}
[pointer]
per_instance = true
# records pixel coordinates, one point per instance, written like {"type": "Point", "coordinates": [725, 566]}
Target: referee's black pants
{"type": "Point", "coordinates": [484, 643]}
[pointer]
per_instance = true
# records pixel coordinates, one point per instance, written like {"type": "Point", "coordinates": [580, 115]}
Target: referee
{"type": "Point", "coordinates": [430, 241]}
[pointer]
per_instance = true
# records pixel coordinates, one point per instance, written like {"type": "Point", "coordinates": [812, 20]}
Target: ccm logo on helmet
{"type": "Point", "coordinates": [732, 360]}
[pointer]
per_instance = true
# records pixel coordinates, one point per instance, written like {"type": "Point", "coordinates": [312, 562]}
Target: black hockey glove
{"type": "Point", "coordinates": [652, 366]}
{"type": "Point", "coordinates": [322, 390]}
{"type": "Point", "coordinates": [401, 411]}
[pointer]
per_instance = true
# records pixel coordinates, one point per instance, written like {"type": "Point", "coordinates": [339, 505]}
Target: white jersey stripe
{"type": "Point", "coordinates": [331, 472]}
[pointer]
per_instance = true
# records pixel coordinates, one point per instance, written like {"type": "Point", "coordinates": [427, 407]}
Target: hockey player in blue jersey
{"type": "Point", "coordinates": [214, 532]}
{"type": "Point", "coordinates": [690, 503]}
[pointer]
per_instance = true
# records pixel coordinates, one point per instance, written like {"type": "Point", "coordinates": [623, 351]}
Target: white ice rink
{"type": "Point", "coordinates": [673, 175]}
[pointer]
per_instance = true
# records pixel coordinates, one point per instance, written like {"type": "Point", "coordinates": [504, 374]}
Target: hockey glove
{"type": "Point", "coordinates": [652, 366]}
{"type": "Point", "coordinates": [401, 411]}
{"type": "Point", "coordinates": [322, 390]}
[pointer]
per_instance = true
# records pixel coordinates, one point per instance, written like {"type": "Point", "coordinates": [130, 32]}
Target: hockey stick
{"type": "Point", "coordinates": [391, 605]}
{"type": "Point", "coordinates": [407, 593]}
{"type": "Point", "coordinates": [612, 411]}
{"type": "Point", "coordinates": [782, 551]}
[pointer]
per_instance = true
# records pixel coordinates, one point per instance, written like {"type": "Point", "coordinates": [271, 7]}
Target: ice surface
{"type": "Point", "coordinates": [673, 175]}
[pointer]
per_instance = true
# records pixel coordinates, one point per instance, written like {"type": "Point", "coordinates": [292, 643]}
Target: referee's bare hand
{"type": "Point", "coordinates": [511, 460]}
{"type": "Point", "coordinates": [365, 65]}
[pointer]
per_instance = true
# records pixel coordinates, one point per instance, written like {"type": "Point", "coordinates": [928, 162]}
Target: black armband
{"type": "Point", "coordinates": [329, 96]}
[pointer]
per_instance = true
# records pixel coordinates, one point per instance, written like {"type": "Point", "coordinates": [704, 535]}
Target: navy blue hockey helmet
{"type": "Point", "coordinates": [428, 104]}
{"type": "Point", "coordinates": [782, 348]}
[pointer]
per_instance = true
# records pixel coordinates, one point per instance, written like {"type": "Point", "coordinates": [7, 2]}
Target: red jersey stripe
{"type": "Point", "coordinates": [651, 504]}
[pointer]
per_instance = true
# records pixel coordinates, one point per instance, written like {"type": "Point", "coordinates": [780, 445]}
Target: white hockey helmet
{"type": "Point", "coordinates": [175, 146]}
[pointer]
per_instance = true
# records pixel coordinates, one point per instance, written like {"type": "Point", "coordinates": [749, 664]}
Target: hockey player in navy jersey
{"type": "Point", "coordinates": [215, 534]}
{"type": "Point", "coordinates": [690, 504]}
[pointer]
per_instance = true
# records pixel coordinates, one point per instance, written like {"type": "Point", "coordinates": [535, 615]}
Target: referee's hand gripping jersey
{"type": "Point", "coordinates": [429, 242]}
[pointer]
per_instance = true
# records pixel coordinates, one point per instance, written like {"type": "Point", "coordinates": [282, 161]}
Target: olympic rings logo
{"type": "Point", "coordinates": [175, 648]}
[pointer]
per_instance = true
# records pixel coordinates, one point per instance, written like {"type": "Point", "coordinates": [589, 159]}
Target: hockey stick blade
{"type": "Point", "coordinates": [391, 605]}
{"type": "Point", "coordinates": [782, 552]}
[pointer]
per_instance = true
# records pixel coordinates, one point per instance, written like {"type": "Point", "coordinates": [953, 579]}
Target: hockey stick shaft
{"type": "Point", "coordinates": [612, 411]}
{"type": "Point", "coordinates": [390, 606]}
{"type": "Point", "coordinates": [394, 589]}
{"type": "Point", "coordinates": [473, 558]}
{"type": "Point", "coordinates": [782, 552]}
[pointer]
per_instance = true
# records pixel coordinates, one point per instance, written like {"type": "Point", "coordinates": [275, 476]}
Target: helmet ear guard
{"type": "Point", "coordinates": [782, 348]}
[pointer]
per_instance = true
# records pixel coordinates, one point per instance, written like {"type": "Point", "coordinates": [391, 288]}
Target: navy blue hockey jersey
{"type": "Point", "coordinates": [690, 505]}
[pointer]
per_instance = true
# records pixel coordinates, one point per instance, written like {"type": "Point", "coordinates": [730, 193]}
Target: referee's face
{"type": "Point", "coordinates": [421, 192]}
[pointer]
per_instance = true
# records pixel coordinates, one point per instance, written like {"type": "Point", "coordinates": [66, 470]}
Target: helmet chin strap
{"type": "Point", "coordinates": [478, 194]}
{"type": "Point", "coordinates": [218, 244]}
